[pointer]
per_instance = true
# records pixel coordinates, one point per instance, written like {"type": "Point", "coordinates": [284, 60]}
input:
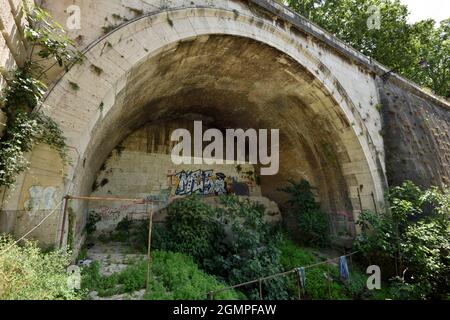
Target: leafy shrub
{"type": "Point", "coordinates": [250, 251]}
{"type": "Point", "coordinates": [91, 225]}
{"type": "Point", "coordinates": [92, 280]}
{"type": "Point", "coordinates": [314, 228]}
{"type": "Point", "coordinates": [160, 236]}
{"type": "Point", "coordinates": [133, 233]}
{"type": "Point", "coordinates": [312, 223]}
{"type": "Point", "coordinates": [415, 238]}
{"type": "Point", "coordinates": [174, 276]}
{"type": "Point", "coordinates": [398, 289]}
{"type": "Point", "coordinates": [193, 228]}
{"type": "Point", "coordinates": [377, 240]}
{"type": "Point", "coordinates": [26, 273]}
{"type": "Point", "coordinates": [123, 231]}
{"type": "Point", "coordinates": [232, 242]}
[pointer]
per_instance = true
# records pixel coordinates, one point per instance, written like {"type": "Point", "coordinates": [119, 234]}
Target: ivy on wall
{"type": "Point", "coordinates": [22, 97]}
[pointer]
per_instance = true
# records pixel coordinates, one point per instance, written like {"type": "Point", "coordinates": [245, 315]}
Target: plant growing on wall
{"type": "Point", "coordinates": [22, 97]}
{"type": "Point", "coordinates": [49, 39]}
{"type": "Point", "coordinates": [312, 222]}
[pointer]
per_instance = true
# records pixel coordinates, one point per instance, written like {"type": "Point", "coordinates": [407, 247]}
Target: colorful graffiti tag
{"type": "Point", "coordinates": [202, 182]}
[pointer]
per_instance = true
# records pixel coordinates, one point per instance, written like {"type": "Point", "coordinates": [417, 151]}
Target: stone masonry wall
{"type": "Point", "coordinates": [141, 167]}
{"type": "Point", "coordinates": [12, 48]}
{"type": "Point", "coordinates": [416, 134]}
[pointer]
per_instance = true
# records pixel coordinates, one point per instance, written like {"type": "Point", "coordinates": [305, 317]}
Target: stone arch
{"type": "Point", "coordinates": [138, 71]}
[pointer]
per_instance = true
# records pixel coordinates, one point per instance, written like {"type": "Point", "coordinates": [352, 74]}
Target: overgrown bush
{"type": "Point", "coordinates": [249, 252]}
{"type": "Point", "coordinates": [122, 232]}
{"type": "Point", "coordinates": [312, 222]}
{"type": "Point", "coordinates": [377, 240]}
{"type": "Point", "coordinates": [174, 276]}
{"type": "Point", "coordinates": [193, 228]}
{"type": "Point", "coordinates": [26, 273]}
{"type": "Point", "coordinates": [415, 238]}
{"type": "Point", "coordinates": [91, 225]}
{"type": "Point", "coordinates": [232, 242]}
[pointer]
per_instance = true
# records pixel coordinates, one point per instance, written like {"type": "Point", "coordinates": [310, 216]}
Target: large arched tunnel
{"type": "Point", "coordinates": [233, 82]}
{"type": "Point", "coordinates": [221, 81]}
{"type": "Point", "coordinates": [161, 72]}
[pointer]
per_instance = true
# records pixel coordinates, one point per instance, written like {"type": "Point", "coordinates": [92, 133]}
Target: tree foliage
{"type": "Point", "coordinates": [419, 51]}
{"type": "Point", "coordinates": [50, 39]}
{"type": "Point", "coordinates": [415, 237]}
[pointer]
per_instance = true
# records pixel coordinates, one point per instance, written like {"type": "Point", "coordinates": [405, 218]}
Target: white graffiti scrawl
{"type": "Point", "coordinates": [41, 199]}
{"type": "Point", "coordinates": [200, 182]}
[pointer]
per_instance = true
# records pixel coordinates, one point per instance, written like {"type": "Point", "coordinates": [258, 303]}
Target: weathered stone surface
{"type": "Point", "coordinates": [416, 136]}
{"type": "Point", "coordinates": [238, 64]}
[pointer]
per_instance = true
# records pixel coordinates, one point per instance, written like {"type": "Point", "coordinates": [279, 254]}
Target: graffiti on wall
{"type": "Point", "coordinates": [117, 213]}
{"type": "Point", "coordinates": [202, 182]}
{"type": "Point", "coordinates": [41, 198]}
{"type": "Point", "coordinates": [161, 199]}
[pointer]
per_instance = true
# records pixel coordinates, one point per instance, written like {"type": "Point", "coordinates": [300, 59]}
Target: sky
{"type": "Point", "coordinates": [425, 9]}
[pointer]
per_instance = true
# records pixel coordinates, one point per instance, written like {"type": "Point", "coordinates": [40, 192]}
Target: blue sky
{"type": "Point", "coordinates": [424, 9]}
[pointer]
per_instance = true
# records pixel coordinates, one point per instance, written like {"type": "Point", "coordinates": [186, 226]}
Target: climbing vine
{"type": "Point", "coordinates": [22, 97]}
{"type": "Point", "coordinates": [50, 39]}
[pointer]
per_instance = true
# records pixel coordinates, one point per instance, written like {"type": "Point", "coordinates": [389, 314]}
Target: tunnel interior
{"type": "Point", "coordinates": [233, 82]}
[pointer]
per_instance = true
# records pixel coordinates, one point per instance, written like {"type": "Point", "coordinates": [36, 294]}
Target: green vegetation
{"type": "Point", "coordinates": [420, 51]}
{"type": "Point", "coordinates": [193, 228]}
{"type": "Point", "coordinates": [204, 248]}
{"type": "Point", "coordinates": [232, 242]}
{"type": "Point", "coordinates": [312, 223]}
{"type": "Point", "coordinates": [26, 273]}
{"type": "Point", "coordinates": [174, 276]}
{"type": "Point", "coordinates": [414, 238]}
{"type": "Point", "coordinates": [50, 39]}
{"type": "Point", "coordinates": [21, 99]}
{"type": "Point", "coordinates": [322, 282]}
{"type": "Point", "coordinates": [250, 249]}
{"type": "Point", "coordinates": [91, 225]}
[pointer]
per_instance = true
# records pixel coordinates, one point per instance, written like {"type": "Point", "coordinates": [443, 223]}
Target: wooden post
{"type": "Point", "coordinates": [374, 203]}
{"type": "Point", "coordinates": [149, 257]}
{"type": "Point", "coordinates": [299, 286]}
{"type": "Point", "coordinates": [260, 290]}
{"type": "Point", "coordinates": [329, 288]}
{"type": "Point", "coordinates": [360, 201]}
{"type": "Point", "coordinates": [63, 227]}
